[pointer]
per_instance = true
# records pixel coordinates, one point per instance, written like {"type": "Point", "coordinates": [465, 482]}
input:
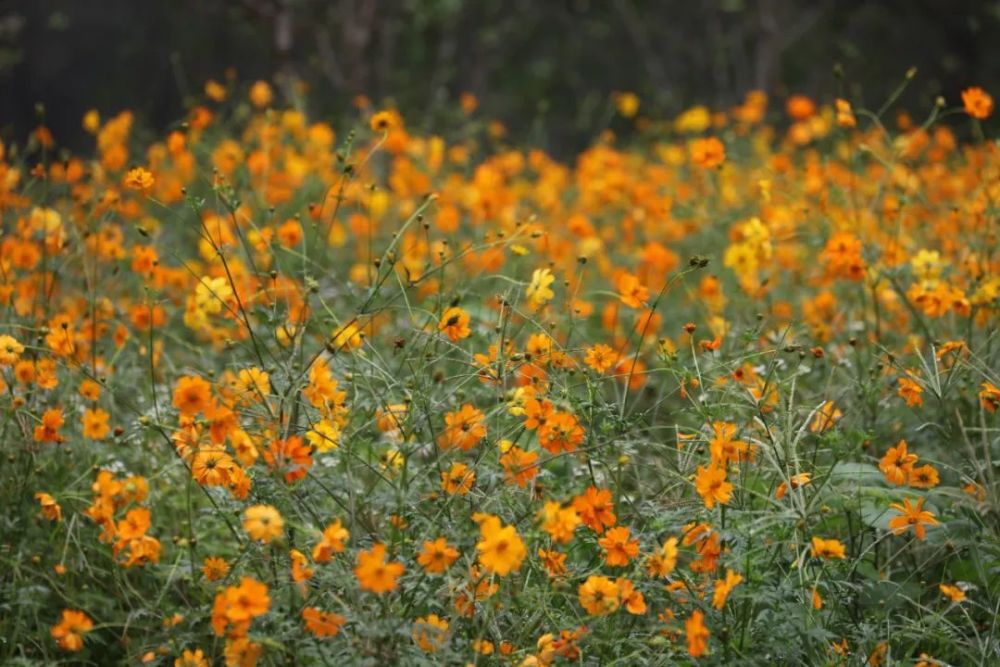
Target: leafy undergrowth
{"type": "Point", "coordinates": [724, 393]}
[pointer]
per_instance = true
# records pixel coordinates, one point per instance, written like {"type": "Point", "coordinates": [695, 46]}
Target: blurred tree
{"type": "Point", "coordinates": [533, 64]}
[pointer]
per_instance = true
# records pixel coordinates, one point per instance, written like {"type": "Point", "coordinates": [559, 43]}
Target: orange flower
{"type": "Point", "coordinates": [827, 548]}
{"type": "Point", "coordinates": [723, 448]}
{"type": "Point", "coordinates": [374, 573]}
{"type": "Point", "coordinates": [455, 323]}
{"type": "Point", "coordinates": [138, 179]}
{"type": "Point", "coordinates": [911, 516]}
{"type": "Point", "coordinates": [712, 486]}
{"type": "Point", "coordinates": [322, 623]}
{"type": "Point", "coordinates": [383, 121]}
{"type": "Point", "coordinates": [796, 481]}
{"type": "Point", "coordinates": [463, 429]}
{"type": "Point", "coordinates": [212, 467]}
{"type": "Point", "coordinates": [596, 509]}
{"type": "Point", "coordinates": [897, 463]}
{"type": "Point", "coordinates": [911, 392]}
{"type": "Point", "coordinates": [559, 522]}
{"type": "Point", "coordinates": [708, 152]}
{"type": "Point", "coordinates": [437, 556]}
{"type": "Point", "coordinates": [663, 561]}
{"type": "Point", "coordinates": [331, 542]}
{"type": "Point", "coordinates": [989, 397]}
{"type": "Point", "coordinates": [954, 593]}
{"type": "Point", "coordinates": [458, 479]}
{"type": "Point", "coordinates": [263, 523]}
{"type": "Point", "coordinates": [71, 628]}
{"type": "Point", "coordinates": [430, 633]}
{"type": "Point", "coordinates": [95, 424]}
{"type": "Point", "coordinates": [723, 587]}
{"type": "Point", "coordinates": [600, 357]}
{"type": "Point", "coordinates": [924, 477]}
{"type": "Point", "coordinates": [800, 107]}
{"type": "Point", "coordinates": [633, 601]}
{"type": "Point", "coordinates": [632, 292]}
{"type": "Point", "coordinates": [519, 466]}
{"type": "Point", "coordinates": [214, 568]}
{"type": "Point", "coordinates": [977, 102]}
{"type": "Point", "coordinates": [599, 596]}
{"type": "Point", "coordinates": [191, 395]}
{"type": "Point", "coordinates": [618, 549]}
{"type": "Point", "coordinates": [50, 508]}
{"type": "Point", "coordinates": [500, 548]}
{"type": "Point", "coordinates": [238, 605]}
{"type": "Point", "coordinates": [697, 634]}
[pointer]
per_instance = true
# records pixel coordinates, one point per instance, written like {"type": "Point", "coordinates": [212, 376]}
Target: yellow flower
{"type": "Point", "coordinates": [264, 523]}
{"type": "Point", "coordinates": [501, 549]}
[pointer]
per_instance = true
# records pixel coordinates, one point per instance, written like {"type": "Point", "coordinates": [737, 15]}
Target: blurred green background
{"type": "Point", "coordinates": [544, 67]}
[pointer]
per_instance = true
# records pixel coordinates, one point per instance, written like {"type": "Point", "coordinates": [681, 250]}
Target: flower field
{"type": "Point", "coordinates": [723, 389]}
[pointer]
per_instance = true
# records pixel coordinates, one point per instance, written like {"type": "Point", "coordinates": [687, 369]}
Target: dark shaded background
{"type": "Point", "coordinates": [545, 67]}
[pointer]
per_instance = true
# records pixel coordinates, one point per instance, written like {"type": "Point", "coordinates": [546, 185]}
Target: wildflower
{"type": "Point", "coordinates": [430, 633]}
{"type": "Point", "coordinates": [263, 523]}
{"type": "Point", "coordinates": [954, 593]}
{"type": "Point", "coordinates": [95, 424]}
{"type": "Point", "coordinates": [911, 516]}
{"type": "Point", "coordinates": [553, 561]}
{"type": "Point", "coordinates": [455, 323]}
{"type": "Point", "coordinates": [238, 605]}
{"type": "Point", "coordinates": [627, 104]}
{"type": "Point", "coordinates": [633, 601]}
{"type": "Point", "coordinates": [519, 466]}
{"type": "Point", "coordinates": [697, 634]}
{"type": "Point", "coordinates": [708, 152]}
{"type": "Point", "coordinates": [845, 115]}
{"type": "Point", "coordinates": [50, 508]}
{"type": "Point", "coordinates": [500, 548]}
{"type": "Point", "coordinates": [374, 573]}
{"type": "Point", "coordinates": [618, 549]}
{"type": "Point", "coordinates": [712, 486]}
{"type": "Point", "coordinates": [437, 556]}
{"type": "Point", "coordinates": [723, 448]}
{"type": "Point", "coordinates": [138, 179]}
{"type": "Point", "coordinates": [600, 357]}
{"type": "Point", "coordinates": [599, 596]}
{"type": "Point", "coordinates": [632, 292]}
{"type": "Point", "coordinates": [189, 658]}
{"type": "Point", "coordinates": [596, 509]}
{"type": "Point", "coordinates": [331, 542]}
{"type": "Point", "coordinates": [191, 395]}
{"type": "Point", "coordinates": [796, 481]}
{"type": "Point", "coordinates": [559, 522]}
{"type": "Point", "coordinates": [663, 561]}
{"type": "Point", "coordinates": [897, 463]}
{"type": "Point", "coordinates": [977, 102]}
{"type": "Point", "coordinates": [383, 121]}
{"type": "Point", "coordinates": [214, 568]}
{"type": "Point", "coordinates": [924, 477]}
{"type": "Point", "coordinates": [827, 548]}
{"type": "Point", "coordinates": [538, 292]}
{"type": "Point", "coordinates": [71, 628]}
{"type": "Point", "coordinates": [458, 479]}
{"type": "Point", "coordinates": [464, 428]}
{"type": "Point", "coordinates": [825, 416]}
{"type": "Point", "coordinates": [212, 467]}
{"type": "Point", "coordinates": [989, 397]}
{"type": "Point", "coordinates": [261, 94]}
{"type": "Point", "coordinates": [10, 350]}
{"type": "Point", "coordinates": [723, 587]}
{"type": "Point", "coordinates": [910, 391]}
{"type": "Point", "coordinates": [322, 623]}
